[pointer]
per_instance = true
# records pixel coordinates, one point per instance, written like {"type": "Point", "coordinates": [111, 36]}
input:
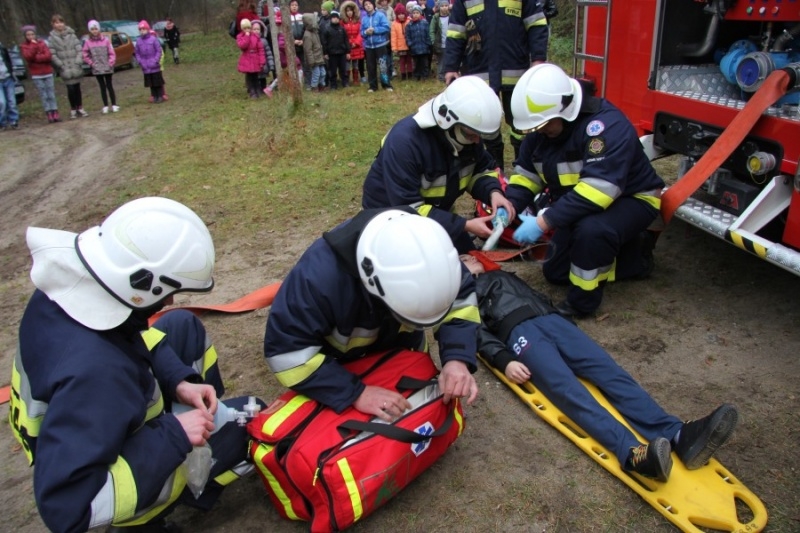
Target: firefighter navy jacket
{"type": "Point", "coordinates": [99, 423]}
{"type": "Point", "coordinates": [597, 159]}
{"type": "Point", "coordinates": [417, 167]}
{"type": "Point", "coordinates": [323, 314]}
{"type": "Point", "coordinates": [512, 34]}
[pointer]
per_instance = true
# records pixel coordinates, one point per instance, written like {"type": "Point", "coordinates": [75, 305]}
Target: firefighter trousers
{"type": "Point", "coordinates": [496, 146]}
{"type": "Point", "coordinates": [186, 336]}
{"type": "Point", "coordinates": [598, 248]}
{"type": "Point", "coordinates": [557, 353]}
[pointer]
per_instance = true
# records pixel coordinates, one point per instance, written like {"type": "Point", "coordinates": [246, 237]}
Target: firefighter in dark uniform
{"type": "Point", "coordinates": [604, 193]}
{"type": "Point", "coordinates": [498, 41]}
{"type": "Point", "coordinates": [92, 385]}
{"type": "Point", "coordinates": [427, 160]}
{"type": "Point", "coordinates": [372, 284]}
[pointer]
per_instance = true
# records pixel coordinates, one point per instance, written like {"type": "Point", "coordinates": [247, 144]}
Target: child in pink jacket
{"type": "Point", "coordinates": [252, 60]}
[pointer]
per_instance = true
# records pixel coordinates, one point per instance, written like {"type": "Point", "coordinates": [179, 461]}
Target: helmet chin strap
{"type": "Point", "coordinates": [456, 139]}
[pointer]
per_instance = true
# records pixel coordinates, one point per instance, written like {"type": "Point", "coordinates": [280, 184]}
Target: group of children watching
{"type": "Point", "coordinates": [64, 53]}
{"type": "Point", "coordinates": [356, 43]}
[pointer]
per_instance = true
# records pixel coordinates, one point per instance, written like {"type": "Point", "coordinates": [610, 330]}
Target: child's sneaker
{"type": "Point", "coordinates": [82, 113]}
{"type": "Point", "coordinates": [73, 113]}
{"type": "Point", "coordinates": [114, 108]}
{"type": "Point", "coordinates": [651, 460]}
{"type": "Point", "coordinates": [152, 99]}
{"type": "Point", "coordinates": [105, 110]}
{"type": "Point", "coordinates": [164, 97]}
{"type": "Point", "coordinates": [268, 92]}
{"type": "Point", "coordinates": [56, 117]}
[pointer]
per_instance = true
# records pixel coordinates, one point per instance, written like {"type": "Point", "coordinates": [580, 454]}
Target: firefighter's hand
{"type": "Point", "coordinates": [479, 226]}
{"type": "Point", "coordinates": [499, 200]}
{"type": "Point", "coordinates": [384, 403]}
{"type": "Point", "coordinates": [455, 381]}
{"type": "Point", "coordinates": [449, 77]}
{"type": "Point", "coordinates": [517, 372]}
{"type": "Point", "coordinates": [197, 395]}
{"type": "Point", "coordinates": [529, 231]}
{"type": "Point", "coordinates": [197, 424]}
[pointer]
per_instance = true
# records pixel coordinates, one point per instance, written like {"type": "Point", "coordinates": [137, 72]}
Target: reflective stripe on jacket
{"type": "Point", "coordinates": [88, 410]}
{"type": "Point", "coordinates": [598, 159]}
{"type": "Point", "coordinates": [323, 314]}
{"type": "Point", "coordinates": [417, 167]}
{"type": "Point", "coordinates": [511, 34]}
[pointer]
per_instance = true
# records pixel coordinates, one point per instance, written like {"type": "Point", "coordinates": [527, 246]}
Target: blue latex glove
{"type": "Point", "coordinates": [529, 231]}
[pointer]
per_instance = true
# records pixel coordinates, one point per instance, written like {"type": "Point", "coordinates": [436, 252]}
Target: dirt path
{"type": "Point", "coordinates": [712, 325]}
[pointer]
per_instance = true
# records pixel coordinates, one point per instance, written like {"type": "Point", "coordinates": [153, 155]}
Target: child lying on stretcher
{"type": "Point", "coordinates": [524, 336]}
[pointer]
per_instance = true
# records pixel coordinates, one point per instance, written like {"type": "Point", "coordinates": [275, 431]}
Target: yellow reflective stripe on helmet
{"type": "Point", "coordinates": [593, 195]}
{"type": "Point", "coordinates": [352, 488]}
{"type": "Point", "coordinates": [293, 376]}
{"type": "Point", "coordinates": [535, 108]}
{"type": "Point", "coordinates": [125, 495]}
{"type": "Point", "coordinates": [258, 457]}
{"type": "Point", "coordinates": [152, 337]}
{"type": "Point", "coordinates": [589, 280]}
{"type": "Point", "coordinates": [277, 418]}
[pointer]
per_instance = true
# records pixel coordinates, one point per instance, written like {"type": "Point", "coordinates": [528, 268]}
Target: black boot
{"type": "Point", "coordinates": [699, 439]}
{"type": "Point", "coordinates": [651, 460]}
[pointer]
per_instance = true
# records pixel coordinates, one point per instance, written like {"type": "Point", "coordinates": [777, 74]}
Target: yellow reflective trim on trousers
{"type": "Point", "coordinates": [293, 376]}
{"type": "Point", "coordinates": [459, 418]}
{"type": "Point", "coordinates": [209, 359]}
{"type": "Point", "coordinates": [152, 337]}
{"type": "Point", "coordinates": [652, 200]}
{"type": "Point", "coordinates": [592, 284]}
{"type": "Point", "coordinates": [352, 488]}
{"type": "Point", "coordinates": [469, 313]}
{"type": "Point", "coordinates": [277, 418]}
{"type": "Point", "coordinates": [226, 478]}
{"type": "Point", "coordinates": [593, 195]}
{"type": "Point", "coordinates": [125, 495]}
{"type": "Point", "coordinates": [522, 181]}
{"type": "Point", "coordinates": [261, 451]}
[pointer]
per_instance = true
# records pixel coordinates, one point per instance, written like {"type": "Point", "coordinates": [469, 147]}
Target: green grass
{"type": "Point", "coordinates": [242, 163]}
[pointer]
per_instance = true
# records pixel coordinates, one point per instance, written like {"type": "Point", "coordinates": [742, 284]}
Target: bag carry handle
{"type": "Point", "coordinates": [393, 432]}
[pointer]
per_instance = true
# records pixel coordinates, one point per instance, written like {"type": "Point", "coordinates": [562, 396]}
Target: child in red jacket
{"type": "Point", "coordinates": [39, 59]}
{"type": "Point", "coordinates": [252, 60]}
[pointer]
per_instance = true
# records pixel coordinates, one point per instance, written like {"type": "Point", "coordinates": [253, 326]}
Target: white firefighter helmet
{"type": "Point", "coordinates": [147, 250]}
{"type": "Point", "coordinates": [468, 101]}
{"type": "Point", "coordinates": [409, 262]}
{"type": "Point", "coordinates": [543, 93]}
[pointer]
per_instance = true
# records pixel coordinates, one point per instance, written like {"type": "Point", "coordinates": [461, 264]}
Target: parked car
{"type": "Point", "coordinates": [17, 63]}
{"type": "Point", "coordinates": [131, 27]}
{"type": "Point", "coordinates": [123, 48]}
{"type": "Point", "coordinates": [159, 27]}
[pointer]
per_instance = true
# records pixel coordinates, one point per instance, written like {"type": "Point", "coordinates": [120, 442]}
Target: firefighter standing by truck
{"type": "Point", "coordinates": [604, 193]}
{"type": "Point", "coordinates": [497, 41]}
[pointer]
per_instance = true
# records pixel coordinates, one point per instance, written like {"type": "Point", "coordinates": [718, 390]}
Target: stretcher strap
{"type": "Point", "coordinates": [774, 87]}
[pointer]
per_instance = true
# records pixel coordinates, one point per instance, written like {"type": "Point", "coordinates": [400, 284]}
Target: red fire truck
{"type": "Point", "coordinates": [682, 70]}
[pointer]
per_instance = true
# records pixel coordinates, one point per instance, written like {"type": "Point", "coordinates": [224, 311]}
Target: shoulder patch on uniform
{"type": "Point", "coordinates": [595, 128]}
{"type": "Point", "coordinates": [597, 145]}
